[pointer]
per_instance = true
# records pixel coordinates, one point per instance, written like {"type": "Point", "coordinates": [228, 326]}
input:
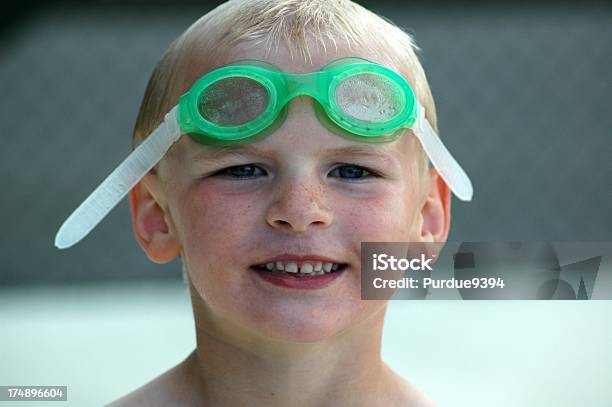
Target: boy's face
{"type": "Point", "coordinates": [298, 197]}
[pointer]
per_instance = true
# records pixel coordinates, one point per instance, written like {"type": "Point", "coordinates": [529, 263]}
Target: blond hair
{"type": "Point", "coordinates": [268, 23]}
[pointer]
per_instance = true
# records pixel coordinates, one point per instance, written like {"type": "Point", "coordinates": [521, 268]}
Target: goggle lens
{"type": "Point", "coordinates": [233, 101]}
{"type": "Point", "coordinates": [369, 98]}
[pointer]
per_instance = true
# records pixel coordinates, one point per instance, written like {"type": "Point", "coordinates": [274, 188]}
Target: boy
{"type": "Point", "coordinates": [269, 230]}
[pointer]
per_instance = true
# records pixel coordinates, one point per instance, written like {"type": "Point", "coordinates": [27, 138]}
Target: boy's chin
{"type": "Point", "coordinates": [318, 328]}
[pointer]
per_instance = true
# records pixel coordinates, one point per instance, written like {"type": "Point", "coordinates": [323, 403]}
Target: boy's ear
{"type": "Point", "coordinates": [151, 221]}
{"type": "Point", "coordinates": [435, 210]}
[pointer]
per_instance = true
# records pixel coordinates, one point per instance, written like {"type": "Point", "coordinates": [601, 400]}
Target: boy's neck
{"type": "Point", "coordinates": [248, 369]}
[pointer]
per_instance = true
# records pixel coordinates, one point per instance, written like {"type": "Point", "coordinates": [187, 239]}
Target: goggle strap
{"type": "Point", "coordinates": [110, 192]}
{"type": "Point", "coordinates": [448, 168]}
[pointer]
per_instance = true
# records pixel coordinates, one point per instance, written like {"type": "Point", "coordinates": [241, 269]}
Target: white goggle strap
{"type": "Point", "coordinates": [108, 194]}
{"type": "Point", "coordinates": [448, 168]}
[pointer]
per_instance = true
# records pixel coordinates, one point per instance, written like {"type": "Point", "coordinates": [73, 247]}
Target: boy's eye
{"type": "Point", "coordinates": [241, 171]}
{"type": "Point", "coordinates": [349, 171]}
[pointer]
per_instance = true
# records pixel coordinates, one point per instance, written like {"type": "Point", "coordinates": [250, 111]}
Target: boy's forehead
{"type": "Point", "coordinates": [291, 61]}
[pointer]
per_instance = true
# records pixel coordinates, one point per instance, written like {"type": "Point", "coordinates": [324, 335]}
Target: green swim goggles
{"type": "Point", "coordinates": [247, 100]}
{"type": "Point", "coordinates": [365, 101]}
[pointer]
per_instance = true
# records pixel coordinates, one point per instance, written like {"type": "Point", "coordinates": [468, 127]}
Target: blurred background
{"type": "Point", "coordinates": [524, 99]}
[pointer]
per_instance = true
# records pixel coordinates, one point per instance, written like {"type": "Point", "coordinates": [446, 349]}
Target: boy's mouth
{"type": "Point", "coordinates": [300, 269]}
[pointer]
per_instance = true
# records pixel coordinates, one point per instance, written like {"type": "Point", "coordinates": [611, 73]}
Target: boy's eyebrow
{"type": "Point", "coordinates": [364, 149]}
{"type": "Point", "coordinates": [221, 153]}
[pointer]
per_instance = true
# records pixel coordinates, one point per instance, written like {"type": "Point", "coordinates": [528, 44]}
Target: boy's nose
{"type": "Point", "coordinates": [298, 207]}
{"type": "Point", "coordinates": [299, 201]}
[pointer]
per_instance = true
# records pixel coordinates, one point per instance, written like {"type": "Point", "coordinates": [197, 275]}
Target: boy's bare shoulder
{"type": "Point", "coordinates": [168, 389]}
{"type": "Point", "coordinates": [409, 395]}
{"type": "Point", "coordinates": [415, 398]}
{"type": "Point", "coordinates": [153, 393]}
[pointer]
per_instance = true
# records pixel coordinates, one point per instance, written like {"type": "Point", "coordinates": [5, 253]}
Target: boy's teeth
{"type": "Point", "coordinates": [306, 268]}
{"type": "Point", "coordinates": [312, 268]}
{"type": "Point", "coordinates": [291, 267]}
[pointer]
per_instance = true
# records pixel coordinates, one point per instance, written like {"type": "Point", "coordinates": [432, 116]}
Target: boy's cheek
{"type": "Point", "coordinates": [388, 206]}
{"type": "Point", "coordinates": [205, 211]}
